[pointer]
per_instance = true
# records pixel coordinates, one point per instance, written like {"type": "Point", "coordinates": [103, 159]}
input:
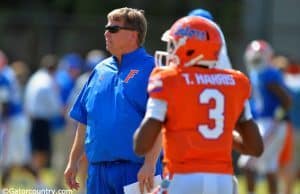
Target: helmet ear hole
{"type": "Point", "coordinates": [190, 52]}
{"type": "Point", "coordinates": [207, 36]}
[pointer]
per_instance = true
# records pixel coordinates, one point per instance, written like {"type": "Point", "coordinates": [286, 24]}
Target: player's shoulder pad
{"type": "Point", "coordinates": [163, 71]}
{"type": "Point", "coordinates": [159, 77]}
{"type": "Point", "coordinates": [243, 77]}
{"type": "Point", "coordinates": [238, 74]}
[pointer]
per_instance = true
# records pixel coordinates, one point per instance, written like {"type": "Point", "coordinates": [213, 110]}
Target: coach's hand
{"type": "Point", "coordinates": [70, 176]}
{"type": "Point", "coordinates": [146, 177]}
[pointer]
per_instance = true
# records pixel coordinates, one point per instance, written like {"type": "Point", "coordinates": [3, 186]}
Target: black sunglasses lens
{"type": "Point", "coordinates": [112, 29]}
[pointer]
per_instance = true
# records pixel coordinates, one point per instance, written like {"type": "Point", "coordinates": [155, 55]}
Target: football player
{"type": "Point", "coordinates": [270, 102]}
{"type": "Point", "coordinates": [196, 107]}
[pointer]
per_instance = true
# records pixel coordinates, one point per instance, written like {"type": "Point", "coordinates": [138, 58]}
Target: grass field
{"type": "Point", "coordinates": [21, 179]}
{"type": "Point", "coordinates": [262, 186]}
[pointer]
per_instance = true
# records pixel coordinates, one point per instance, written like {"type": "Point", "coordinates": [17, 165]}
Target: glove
{"type": "Point", "coordinates": [280, 114]}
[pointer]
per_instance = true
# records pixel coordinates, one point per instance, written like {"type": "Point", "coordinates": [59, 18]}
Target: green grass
{"type": "Point", "coordinates": [21, 179]}
{"type": "Point", "coordinates": [261, 187]}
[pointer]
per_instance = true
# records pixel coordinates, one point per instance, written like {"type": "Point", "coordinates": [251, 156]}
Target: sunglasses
{"type": "Point", "coordinates": [115, 29]}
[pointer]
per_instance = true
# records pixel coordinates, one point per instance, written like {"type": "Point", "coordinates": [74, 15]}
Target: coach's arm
{"type": "Point", "coordinates": [76, 152]}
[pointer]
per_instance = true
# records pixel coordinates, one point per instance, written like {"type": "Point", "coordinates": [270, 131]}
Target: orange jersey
{"type": "Point", "coordinates": [203, 106]}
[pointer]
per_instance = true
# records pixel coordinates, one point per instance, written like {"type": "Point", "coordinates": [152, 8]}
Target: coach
{"type": "Point", "coordinates": [109, 109]}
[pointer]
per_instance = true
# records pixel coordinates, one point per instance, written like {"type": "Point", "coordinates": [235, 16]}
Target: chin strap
{"type": "Point", "coordinates": [194, 61]}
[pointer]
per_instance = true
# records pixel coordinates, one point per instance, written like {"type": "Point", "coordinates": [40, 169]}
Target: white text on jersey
{"type": "Point", "coordinates": [213, 79]}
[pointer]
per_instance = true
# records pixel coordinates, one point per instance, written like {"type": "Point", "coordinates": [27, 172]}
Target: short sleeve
{"type": "Point", "coordinates": [78, 111]}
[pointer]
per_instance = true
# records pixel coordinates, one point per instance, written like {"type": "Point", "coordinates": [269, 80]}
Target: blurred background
{"type": "Point", "coordinates": [31, 28]}
{"type": "Point", "coordinates": [71, 29]}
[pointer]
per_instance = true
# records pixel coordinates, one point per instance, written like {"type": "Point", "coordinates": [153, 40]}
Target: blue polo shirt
{"type": "Point", "coordinates": [269, 75]}
{"type": "Point", "coordinates": [112, 105]}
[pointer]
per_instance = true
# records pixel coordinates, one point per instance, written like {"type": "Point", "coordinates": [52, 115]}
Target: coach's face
{"type": "Point", "coordinates": [118, 40]}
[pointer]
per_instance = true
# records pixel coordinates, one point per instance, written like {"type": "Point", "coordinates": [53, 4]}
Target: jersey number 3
{"type": "Point", "coordinates": [216, 113]}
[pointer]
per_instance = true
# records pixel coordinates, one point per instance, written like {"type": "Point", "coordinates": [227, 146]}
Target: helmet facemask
{"type": "Point", "coordinates": [168, 57]}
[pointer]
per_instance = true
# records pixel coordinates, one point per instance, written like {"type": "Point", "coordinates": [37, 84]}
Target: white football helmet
{"type": "Point", "coordinates": [258, 54]}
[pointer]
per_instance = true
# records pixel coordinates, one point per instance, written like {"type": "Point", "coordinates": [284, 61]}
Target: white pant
{"type": "Point", "coordinates": [273, 134]}
{"type": "Point", "coordinates": [15, 144]}
{"type": "Point", "coordinates": [202, 183]}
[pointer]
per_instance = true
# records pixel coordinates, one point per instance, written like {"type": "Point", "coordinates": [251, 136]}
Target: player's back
{"type": "Point", "coordinates": [203, 107]}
